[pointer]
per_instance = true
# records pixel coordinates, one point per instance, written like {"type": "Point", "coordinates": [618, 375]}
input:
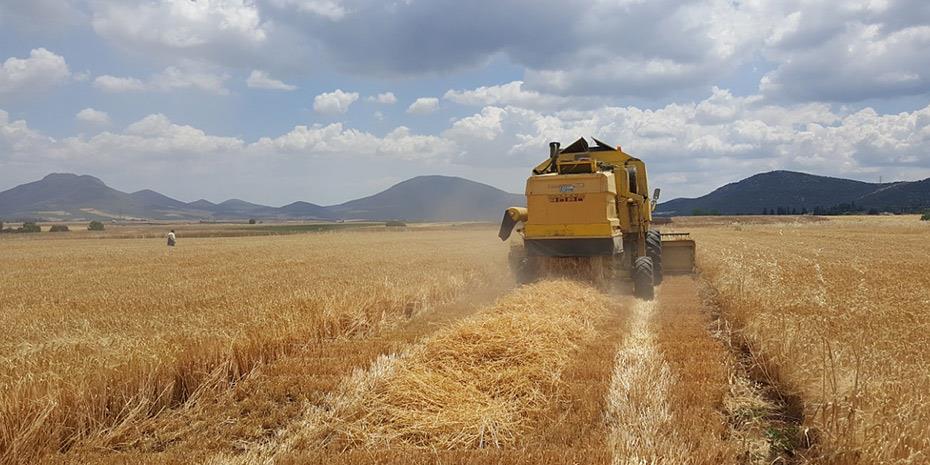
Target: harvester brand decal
{"type": "Point", "coordinates": [564, 188]}
{"type": "Point", "coordinates": [566, 198]}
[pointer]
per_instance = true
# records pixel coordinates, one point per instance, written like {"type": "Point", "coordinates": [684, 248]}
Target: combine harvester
{"type": "Point", "coordinates": [592, 204]}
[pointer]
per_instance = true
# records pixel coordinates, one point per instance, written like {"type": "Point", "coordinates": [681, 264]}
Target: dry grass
{"type": "Point", "coordinates": [472, 385]}
{"type": "Point", "coordinates": [100, 334]}
{"type": "Point", "coordinates": [836, 313]}
{"type": "Point", "coordinates": [593, 270]}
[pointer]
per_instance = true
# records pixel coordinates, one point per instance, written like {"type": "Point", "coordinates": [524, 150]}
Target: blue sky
{"type": "Point", "coordinates": [277, 100]}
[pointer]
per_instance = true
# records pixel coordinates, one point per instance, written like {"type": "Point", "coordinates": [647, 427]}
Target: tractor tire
{"type": "Point", "coordinates": [523, 267]}
{"type": "Point", "coordinates": [654, 251]}
{"type": "Point", "coordinates": [643, 278]}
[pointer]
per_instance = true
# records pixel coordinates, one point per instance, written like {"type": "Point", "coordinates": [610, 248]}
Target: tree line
{"type": "Point", "coordinates": [850, 208]}
{"type": "Point", "coordinates": [33, 227]}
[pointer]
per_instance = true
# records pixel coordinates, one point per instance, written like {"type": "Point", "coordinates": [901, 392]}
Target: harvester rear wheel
{"type": "Point", "coordinates": [643, 278]}
{"type": "Point", "coordinates": [654, 251]}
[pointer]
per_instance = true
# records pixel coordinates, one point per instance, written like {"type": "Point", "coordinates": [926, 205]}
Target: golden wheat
{"type": "Point", "coordinates": [471, 385]}
{"type": "Point", "coordinates": [99, 334]}
{"type": "Point", "coordinates": [836, 313]}
{"type": "Point", "coordinates": [346, 348]}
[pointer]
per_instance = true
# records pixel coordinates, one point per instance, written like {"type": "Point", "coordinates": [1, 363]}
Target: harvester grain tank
{"type": "Point", "coordinates": [591, 203]}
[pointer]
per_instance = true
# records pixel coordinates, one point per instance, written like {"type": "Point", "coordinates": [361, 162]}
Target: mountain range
{"type": "Point", "coordinates": [791, 191]}
{"type": "Point", "coordinates": [443, 198]}
{"type": "Point", "coordinates": [62, 196]}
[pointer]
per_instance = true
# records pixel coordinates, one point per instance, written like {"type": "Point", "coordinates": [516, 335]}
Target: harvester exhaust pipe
{"type": "Point", "coordinates": [553, 156]}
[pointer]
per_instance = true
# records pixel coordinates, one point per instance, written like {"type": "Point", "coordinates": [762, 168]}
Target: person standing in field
{"type": "Point", "coordinates": [171, 238]}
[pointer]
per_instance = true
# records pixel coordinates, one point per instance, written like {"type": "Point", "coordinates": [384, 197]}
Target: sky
{"type": "Point", "coordinates": [324, 101]}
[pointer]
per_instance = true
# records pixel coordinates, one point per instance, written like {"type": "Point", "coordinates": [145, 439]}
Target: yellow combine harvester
{"type": "Point", "coordinates": [594, 202]}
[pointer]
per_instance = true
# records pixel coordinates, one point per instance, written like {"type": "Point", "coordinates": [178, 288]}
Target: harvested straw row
{"type": "Point", "coordinates": [269, 399]}
{"type": "Point", "coordinates": [638, 410]}
{"type": "Point", "coordinates": [471, 385]}
{"type": "Point", "coordinates": [595, 270]}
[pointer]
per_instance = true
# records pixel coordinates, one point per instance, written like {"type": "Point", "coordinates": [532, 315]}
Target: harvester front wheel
{"type": "Point", "coordinates": [522, 266]}
{"type": "Point", "coordinates": [654, 251]}
{"type": "Point", "coordinates": [643, 278]}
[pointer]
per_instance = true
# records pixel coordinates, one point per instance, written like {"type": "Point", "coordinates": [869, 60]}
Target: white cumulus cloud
{"type": "Point", "coordinates": [511, 93]}
{"type": "Point", "coordinates": [93, 117]}
{"type": "Point", "coordinates": [423, 106]}
{"type": "Point", "coordinates": [261, 80]}
{"type": "Point", "coordinates": [239, 34]}
{"type": "Point", "coordinates": [118, 84]}
{"type": "Point", "coordinates": [486, 125]}
{"type": "Point", "coordinates": [334, 103]}
{"type": "Point", "coordinates": [172, 78]}
{"type": "Point", "coordinates": [386, 98]}
{"type": "Point", "coordinates": [181, 24]}
{"type": "Point", "coordinates": [41, 70]}
{"type": "Point", "coordinates": [153, 136]}
{"type": "Point", "coordinates": [849, 54]}
{"type": "Point", "coordinates": [691, 148]}
{"type": "Point", "coordinates": [329, 9]}
{"type": "Point", "coordinates": [18, 139]}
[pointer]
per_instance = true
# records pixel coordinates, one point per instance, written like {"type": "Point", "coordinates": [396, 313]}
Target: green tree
{"type": "Point", "coordinates": [30, 227]}
{"type": "Point", "coordinates": [59, 228]}
{"type": "Point", "coordinates": [703, 212]}
{"type": "Point", "coordinates": [925, 216]}
{"type": "Point", "coordinates": [95, 226]}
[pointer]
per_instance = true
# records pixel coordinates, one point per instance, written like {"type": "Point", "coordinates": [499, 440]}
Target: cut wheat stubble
{"type": "Point", "coordinates": [471, 385]}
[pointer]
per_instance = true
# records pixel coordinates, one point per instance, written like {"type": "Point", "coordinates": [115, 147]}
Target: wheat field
{"type": "Point", "coordinates": [800, 341]}
{"type": "Point", "coordinates": [101, 333]}
{"type": "Point", "coordinates": [836, 314]}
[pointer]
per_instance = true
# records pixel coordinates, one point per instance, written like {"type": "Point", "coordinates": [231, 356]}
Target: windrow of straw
{"type": "Point", "coordinates": [470, 385]}
{"type": "Point", "coordinates": [594, 270]}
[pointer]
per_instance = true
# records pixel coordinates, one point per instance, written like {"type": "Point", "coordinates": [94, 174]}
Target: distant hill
{"type": "Point", "coordinates": [235, 208]}
{"type": "Point", "coordinates": [802, 191]}
{"type": "Point", "coordinates": [424, 198]}
{"type": "Point", "coordinates": [62, 196]}
{"type": "Point", "coordinates": [433, 198]}
{"type": "Point", "coordinates": [911, 196]}
{"type": "Point", "coordinates": [203, 204]}
{"type": "Point", "coordinates": [65, 196]}
{"type": "Point", "coordinates": [302, 209]}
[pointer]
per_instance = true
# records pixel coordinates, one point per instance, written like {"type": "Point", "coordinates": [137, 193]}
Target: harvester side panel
{"type": "Point", "coordinates": [677, 253]}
